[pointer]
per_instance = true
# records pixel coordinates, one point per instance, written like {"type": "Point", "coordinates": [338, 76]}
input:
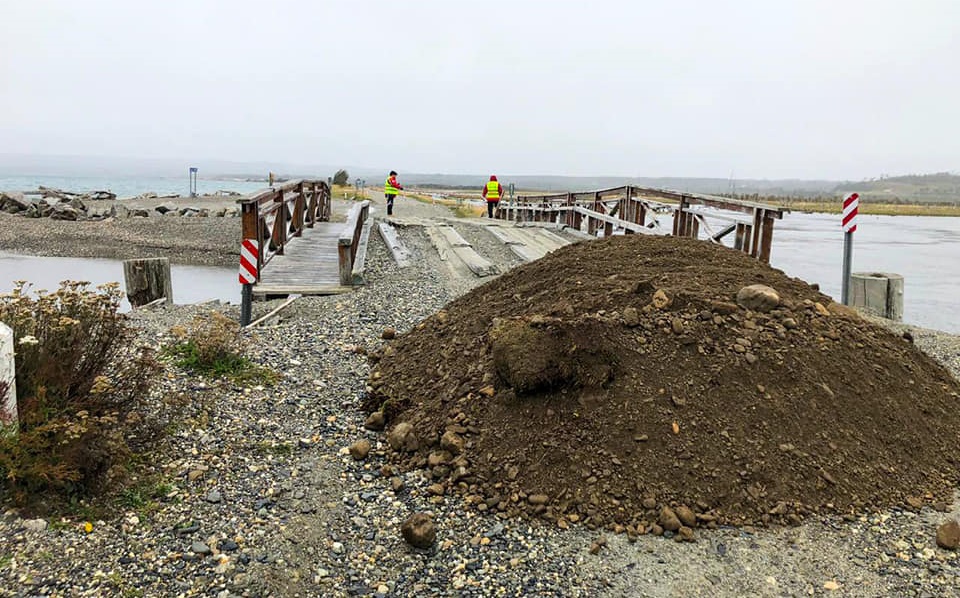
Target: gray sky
{"type": "Point", "coordinates": [762, 89]}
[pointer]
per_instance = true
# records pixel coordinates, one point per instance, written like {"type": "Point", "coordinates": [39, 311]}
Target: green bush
{"type": "Point", "coordinates": [211, 345]}
{"type": "Point", "coordinates": [82, 388]}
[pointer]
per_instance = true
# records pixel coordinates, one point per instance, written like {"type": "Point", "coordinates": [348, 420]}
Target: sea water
{"type": "Point", "coordinates": [128, 186]}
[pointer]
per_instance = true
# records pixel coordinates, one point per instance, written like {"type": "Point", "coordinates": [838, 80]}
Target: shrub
{"type": "Point", "coordinates": [212, 345]}
{"type": "Point", "coordinates": [342, 177]}
{"type": "Point", "coordinates": [80, 383]}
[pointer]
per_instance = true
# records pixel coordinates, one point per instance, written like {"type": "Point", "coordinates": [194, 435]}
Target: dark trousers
{"type": "Point", "coordinates": [491, 207]}
{"type": "Point", "coordinates": [390, 199]}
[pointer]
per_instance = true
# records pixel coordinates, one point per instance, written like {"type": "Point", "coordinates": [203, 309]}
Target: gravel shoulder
{"type": "Point", "coordinates": [263, 498]}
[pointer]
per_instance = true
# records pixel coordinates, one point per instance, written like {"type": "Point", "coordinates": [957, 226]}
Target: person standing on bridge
{"type": "Point", "coordinates": [390, 190]}
{"type": "Point", "coordinates": [492, 192]}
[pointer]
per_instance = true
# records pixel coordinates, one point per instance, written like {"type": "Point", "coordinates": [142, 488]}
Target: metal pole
{"type": "Point", "coordinates": [245, 304]}
{"type": "Point", "coordinates": [847, 259]}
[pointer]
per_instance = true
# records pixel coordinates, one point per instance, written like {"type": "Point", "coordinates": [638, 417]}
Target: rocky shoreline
{"type": "Point", "coordinates": [261, 496]}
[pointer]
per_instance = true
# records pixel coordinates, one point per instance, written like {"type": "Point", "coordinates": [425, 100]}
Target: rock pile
{"type": "Point", "coordinates": [655, 385]}
{"type": "Point", "coordinates": [74, 208]}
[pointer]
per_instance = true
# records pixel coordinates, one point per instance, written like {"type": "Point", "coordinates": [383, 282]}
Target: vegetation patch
{"type": "Point", "coordinates": [211, 345]}
{"type": "Point", "coordinates": [83, 394]}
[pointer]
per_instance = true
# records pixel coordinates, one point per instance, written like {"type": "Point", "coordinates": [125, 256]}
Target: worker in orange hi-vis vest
{"type": "Point", "coordinates": [492, 192]}
{"type": "Point", "coordinates": [391, 189]}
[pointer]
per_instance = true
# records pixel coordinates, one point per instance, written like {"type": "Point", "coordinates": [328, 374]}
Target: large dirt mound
{"type": "Point", "coordinates": [619, 377]}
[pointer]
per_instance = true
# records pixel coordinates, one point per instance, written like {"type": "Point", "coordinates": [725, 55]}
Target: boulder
{"type": "Point", "coordinates": [419, 530]}
{"type": "Point", "coordinates": [360, 449]}
{"type": "Point", "coordinates": [45, 208]}
{"type": "Point", "coordinates": [948, 535]}
{"type": "Point", "coordinates": [117, 211]}
{"type": "Point", "coordinates": [758, 297]}
{"type": "Point", "coordinates": [403, 438]}
{"type": "Point", "coordinates": [163, 209]}
{"type": "Point", "coordinates": [668, 520]}
{"type": "Point", "coordinates": [77, 205]}
{"type": "Point", "coordinates": [63, 211]}
{"type": "Point", "coordinates": [13, 202]}
{"type": "Point", "coordinates": [99, 196]}
{"type": "Point", "coordinates": [140, 213]}
{"type": "Point", "coordinates": [452, 442]}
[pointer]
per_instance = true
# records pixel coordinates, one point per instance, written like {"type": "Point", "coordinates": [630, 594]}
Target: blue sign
{"type": "Point", "coordinates": [193, 169]}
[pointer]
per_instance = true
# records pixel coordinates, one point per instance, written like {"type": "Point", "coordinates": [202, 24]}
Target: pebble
{"type": "Point", "coordinates": [213, 496]}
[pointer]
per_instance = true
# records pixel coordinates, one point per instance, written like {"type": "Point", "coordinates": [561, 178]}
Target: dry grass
{"type": "Point", "coordinates": [882, 209]}
{"type": "Point", "coordinates": [82, 391]}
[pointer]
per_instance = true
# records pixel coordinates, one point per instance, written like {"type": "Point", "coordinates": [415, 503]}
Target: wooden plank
{"type": "Point", "coordinates": [463, 260]}
{"type": "Point", "coordinates": [390, 237]}
{"type": "Point", "coordinates": [272, 313]}
{"type": "Point", "coordinates": [500, 233]}
{"type": "Point", "coordinates": [333, 289]}
{"type": "Point", "coordinates": [477, 264]}
{"type": "Point", "coordinates": [452, 236]}
{"type": "Point", "coordinates": [361, 257]}
{"type": "Point", "coordinates": [552, 238]}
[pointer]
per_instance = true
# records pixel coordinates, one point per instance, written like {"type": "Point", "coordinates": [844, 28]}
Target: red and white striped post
{"type": "Point", "coordinates": [849, 223]}
{"type": "Point", "coordinates": [249, 259]}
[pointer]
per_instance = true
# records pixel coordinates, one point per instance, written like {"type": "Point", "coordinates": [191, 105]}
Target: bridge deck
{"type": "Point", "coordinates": [308, 266]}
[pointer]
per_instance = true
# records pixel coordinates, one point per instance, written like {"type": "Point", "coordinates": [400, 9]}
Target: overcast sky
{"type": "Point", "coordinates": [760, 89]}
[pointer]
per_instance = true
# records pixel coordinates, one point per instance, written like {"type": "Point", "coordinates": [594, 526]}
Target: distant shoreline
{"type": "Point", "coordinates": [876, 209]}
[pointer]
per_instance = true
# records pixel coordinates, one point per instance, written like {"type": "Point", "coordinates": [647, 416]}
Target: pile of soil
{"type": "Point", "coordinates": [619, 384]}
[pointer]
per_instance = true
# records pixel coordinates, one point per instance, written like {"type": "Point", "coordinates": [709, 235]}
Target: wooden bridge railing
{"type": "Point", "coordinates": [627, 208]}
{"type": "Point", "coordinates": [274, 216]}
{"type": "Point", "coordinates": [349, 243]}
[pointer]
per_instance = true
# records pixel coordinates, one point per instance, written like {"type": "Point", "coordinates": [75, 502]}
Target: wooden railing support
{"type": "Point", "coordinates": [754, 236]}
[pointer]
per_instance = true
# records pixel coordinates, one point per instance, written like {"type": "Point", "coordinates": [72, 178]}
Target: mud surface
{"type": "Point", "coordinates": [618, 384]}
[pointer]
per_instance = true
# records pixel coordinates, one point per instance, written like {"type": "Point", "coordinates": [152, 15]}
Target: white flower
{"type": "Point", "coordinates": [29, 340]}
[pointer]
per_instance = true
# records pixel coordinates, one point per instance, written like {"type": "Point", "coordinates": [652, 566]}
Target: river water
{"type": "Point", "coordinates": [191, 284]}
{"type": "Point", "coordinates": [924, 250]}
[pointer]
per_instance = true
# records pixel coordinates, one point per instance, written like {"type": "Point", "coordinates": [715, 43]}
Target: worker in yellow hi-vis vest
{"type": "Point", "coordinates": [390, 190]}
{"type": "Point", "coordinates": [492, 192]}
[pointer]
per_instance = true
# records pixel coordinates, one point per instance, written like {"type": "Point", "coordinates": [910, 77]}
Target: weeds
{"type": "Point", "coordinates": [81, 388]}
{"type": "Point", "coordinates": [212, 346]}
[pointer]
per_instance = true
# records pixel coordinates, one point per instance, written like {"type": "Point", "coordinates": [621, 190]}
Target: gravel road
{"type": "Point", "coordinates": [262, 497]}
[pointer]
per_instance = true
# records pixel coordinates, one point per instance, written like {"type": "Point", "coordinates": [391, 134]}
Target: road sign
{"type": "Point", "coordinates": [249, 249]}
{"type": "Point", "coordinates": [849, 218]}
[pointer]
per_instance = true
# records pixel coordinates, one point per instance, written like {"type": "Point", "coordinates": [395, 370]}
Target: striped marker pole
{"type": "Point", "coordinates": [848, 221]}
{"type": "Point", "coordinates": [249, 253]}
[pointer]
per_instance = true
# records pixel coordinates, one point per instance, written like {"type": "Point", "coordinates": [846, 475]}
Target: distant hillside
{"type": "Point", "coordinates": [925, 188]}
{"type": "Point", "coordinates": [565, 183]}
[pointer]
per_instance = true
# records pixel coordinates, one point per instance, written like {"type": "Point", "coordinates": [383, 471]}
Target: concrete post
{"type": "Point", "coordinates": [9, 416]}
{"type": "Point", "coordinates": [878, 293]}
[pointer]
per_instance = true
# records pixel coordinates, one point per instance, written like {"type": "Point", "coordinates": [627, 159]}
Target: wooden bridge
{"type": "Point", "coordinates": [631, 209]}
{"type": "Point", "coordinates": [327, 257]}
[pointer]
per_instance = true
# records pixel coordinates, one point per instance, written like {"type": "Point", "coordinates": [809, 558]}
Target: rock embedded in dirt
{"type": "Point", "coordinates": [419, 530]}
{"type": "Point", "coordinates": [451, 442]}
{"type": "Point", "coordinates": [948, 535]}
{"type": "Point", "coordinates": [538, 374]}
{"type": "Point", "coordinates": [758, 297]}
{"type": "Point", "coordinates": [360, 449]}
{"type": "Point", "coordinates": [375, 421]}
{"type": "Point", "coordinates": [403, 438]}
{"type": "Point", "coordinates": [668, 519]}
{"type": "Point", "coordinates": [686, 516]}
{"type": "Point", "coordinates": [388, 334]}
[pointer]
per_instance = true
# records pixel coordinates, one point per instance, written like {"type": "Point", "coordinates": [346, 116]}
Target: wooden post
{"type": "Point", "coordinates": [148, 280]}
{"type": "Point", "coordinates": [755, 235]}
{"type": "Point", "coordinates": [766, 238]}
